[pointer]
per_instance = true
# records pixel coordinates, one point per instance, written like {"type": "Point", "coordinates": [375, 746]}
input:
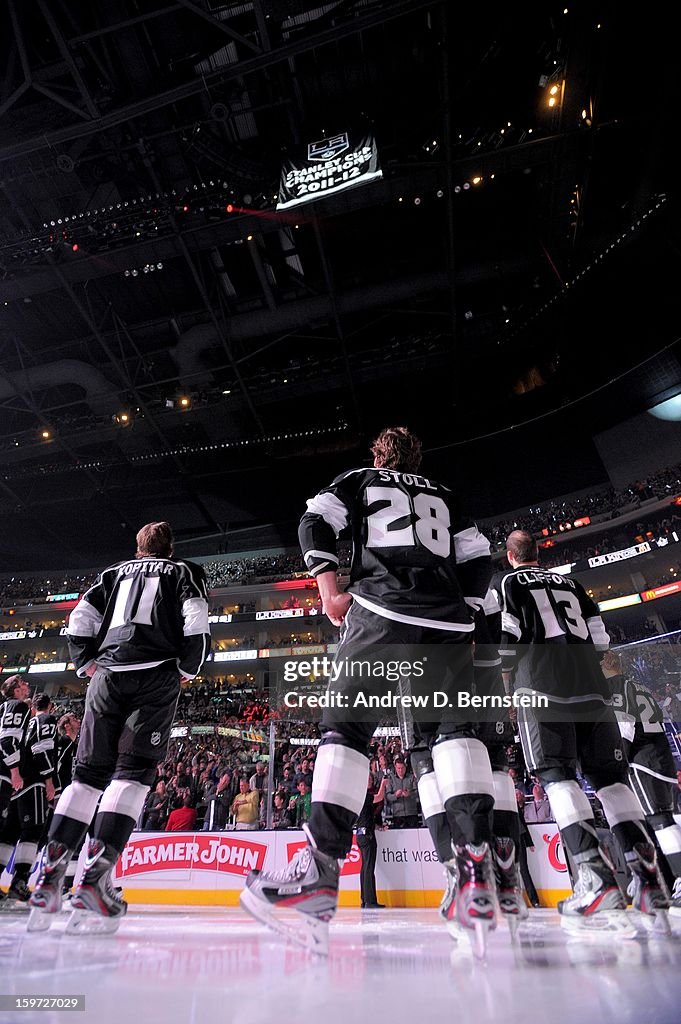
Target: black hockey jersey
{"type": "Point", "coordinates": [66, 755]}
{"type": "Point", "coordinates": [415, 560]}
{"type": "Point", "coordinates": [38, 761]}
{"type": "Point", "coordinates": [14, 718]}
{"type": "Point", "coordinates": [638, 713]}
{"type": "Point", "coordinates": [142, 613]}
{"type": "Point", "coordinates": [551, 635]}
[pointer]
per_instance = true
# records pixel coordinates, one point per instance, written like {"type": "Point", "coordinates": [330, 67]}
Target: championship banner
{"type": "Point", "coordinates": [328, 166]}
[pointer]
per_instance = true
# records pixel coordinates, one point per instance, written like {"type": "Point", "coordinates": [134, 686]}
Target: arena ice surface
{"type": "Point", "coordinates": [169, 965]}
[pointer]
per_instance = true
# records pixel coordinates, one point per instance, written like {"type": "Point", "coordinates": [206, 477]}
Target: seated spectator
{"type": "Point", "coordinates": [245, 806]}
{"type": "Point", "coordinates": [401, 796]}
{"type": "Point", "coordinates": [183, 819]}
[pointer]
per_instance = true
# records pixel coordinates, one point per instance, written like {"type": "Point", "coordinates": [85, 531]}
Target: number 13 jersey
{"type": "Point", "coordinates": [551, 633]}
{"type": "Point", "coordinates": [414, 559]}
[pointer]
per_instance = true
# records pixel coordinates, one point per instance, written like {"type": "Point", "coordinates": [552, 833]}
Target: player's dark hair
{"type": "Point", "coordinates": [396, 448]}
{"type": "Point", "coordinates": [64, 721]}
{"type": "Point", "coordinates": [9, 687]}
{"type": "Point", "coordinates": [41, 702]}
{"type": "Point", "coordinates": [155, 539]}
{"type": "Point", "coordinates": [522, 546]}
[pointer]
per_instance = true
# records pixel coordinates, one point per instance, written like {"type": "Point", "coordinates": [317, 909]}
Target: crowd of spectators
{"type": "Point", "coordinates": [632, 533]}
{"type": "Point", "coordinates": [606, 503]}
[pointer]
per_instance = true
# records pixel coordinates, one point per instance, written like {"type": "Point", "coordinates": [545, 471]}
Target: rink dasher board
{"type": "Point", "coordinates": [208, 868]}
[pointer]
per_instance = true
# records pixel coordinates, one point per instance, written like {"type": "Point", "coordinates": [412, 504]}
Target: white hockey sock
{"type": "Point", "coordinates": [78, 802]}
{"type": "Point", "coordinates": [569, 803]}
{"type": "Point", "coordinates": [340, 777]}
{"type": "Point", "coordinates": [462, 766]}
{"type": "Point", "coordinates": [504, 792]}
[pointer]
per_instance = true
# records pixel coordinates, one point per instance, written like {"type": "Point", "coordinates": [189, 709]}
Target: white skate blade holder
{"type": "Point", "coordinates": [656, 924]}
{"type": "Point", "coordinates": [39, 920]}
{"type": "Point", "coordinates": [602, 925]}
{"type": "Point", "coordinates": [86, 922]}
{"type": "Point", "coordinates": [478, 938]}
{"type": "Point", "coordinates": [303, 929]}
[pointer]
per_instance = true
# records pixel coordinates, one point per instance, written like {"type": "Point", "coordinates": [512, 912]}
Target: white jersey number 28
{"type": "Point", "coordinates": [428, 521]}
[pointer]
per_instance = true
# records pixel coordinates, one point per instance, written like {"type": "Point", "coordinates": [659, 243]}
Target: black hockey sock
{"type": "Point", "coordinates": [73, 814]}
{"type": "Point", "coordinates": [507, 823]}
{"type": "Point", "coordinates": [628, 833]}
{"type": "Point", "coordinates": [68, 831]}
{"type": "Point", "coordinates": [22, 872]}
{"type": "Point", "coordinates": [431, 803]}
{"type": "Point", "coordinates": [331, 827]}
{"type": "Point", "coordinates": [113, 829]}
{"type": "Point", "coordinates": [580, 840]}
{"type": "Point", "coordinates": [468, 817]}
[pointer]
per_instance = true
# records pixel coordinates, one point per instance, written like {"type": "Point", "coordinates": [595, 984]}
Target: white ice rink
{"type": "Point", "coordinates": [204, 966]}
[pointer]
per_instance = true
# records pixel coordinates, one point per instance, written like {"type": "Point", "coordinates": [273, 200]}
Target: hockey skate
{"type": "Point", "coordinates": [46, 899]}
{"type": "Point", "coordinates": [97, 907]}
{"type": "Point", "coordinates": [469, 906]}
{"type": "Point", "coordinates": [308, 886]}
{"type": "Point", "coordinates": [648, 890]}
{"type": "Point", "coordinates": [447, 908]}
{"type": "Point", "coordinates": [15, 899]}
{"type": "Point", "coordinates": [509, 888]}
{"type": "Point", "coordinates": [596, 906]}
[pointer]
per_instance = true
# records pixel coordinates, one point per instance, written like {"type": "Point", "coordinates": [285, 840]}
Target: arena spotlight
{"type": "Point", "coordinates": [229, 208]}
{"type": "Point", "coordinates": [46, 434]}
{"type": "Point", "coordinates": [477, 179]}
{"type": "Point", "coordinates": [123, 418]}
{"type": "Point", "coordinates": [184, 402]}
{"type": "Point", "coordinates": [417, 201]}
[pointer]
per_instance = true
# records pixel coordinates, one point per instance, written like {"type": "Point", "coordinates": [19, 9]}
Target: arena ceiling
{"type": "Point", "coordinates": [163, 356]}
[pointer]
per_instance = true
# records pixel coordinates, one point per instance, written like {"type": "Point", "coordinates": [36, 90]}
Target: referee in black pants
{"type": "Point", "coordinates": [365, 831]}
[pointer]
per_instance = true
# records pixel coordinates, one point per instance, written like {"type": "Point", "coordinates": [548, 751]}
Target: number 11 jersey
{"type": "Point", "coordinates": [140, 614]}
{"type": "Point", "coordinates": [414, 560]}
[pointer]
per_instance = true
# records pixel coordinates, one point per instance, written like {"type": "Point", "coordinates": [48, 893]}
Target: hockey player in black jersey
{"type": "Point", "coordinates": [651, 765]}
{"type": "Point", "coordinates": [14, 715]}
{"type": "Point", "coordinates": [551, 635]}
{"type": "Point", "coordinates": [140, 629]}
{"type": "Point", "coordinates": [416, 570]}
{"type": "Point", "coordinates": [27, 739]}
{"type": "Point", "coordinates": [68, 730]}
{"type": "Point", "coordinates": [494, 733]}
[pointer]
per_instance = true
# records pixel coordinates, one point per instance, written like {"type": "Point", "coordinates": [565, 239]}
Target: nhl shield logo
{"type": "Point", "coordinates": [327, 149]}
{"type": "Point", "coordinates": [155, 739]}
